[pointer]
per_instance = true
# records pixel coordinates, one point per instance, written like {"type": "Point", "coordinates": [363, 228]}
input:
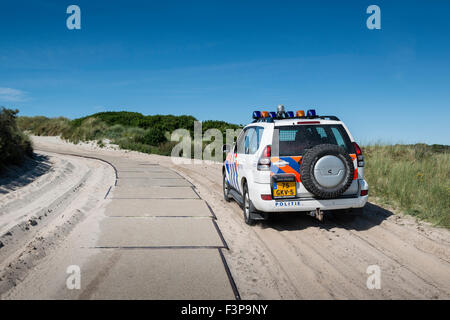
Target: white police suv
{"type": "Point", "coordinates": [286, 162]}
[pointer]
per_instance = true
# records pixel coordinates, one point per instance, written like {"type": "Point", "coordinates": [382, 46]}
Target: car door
{"type": "Point", "coordinates": [232, 160]}
{"type": "Point", "coordinates": [292, 141]}
{"type": "Point", "coordinates": [242, 159]}
{"type": "Point", "coordinates": [247, 162]}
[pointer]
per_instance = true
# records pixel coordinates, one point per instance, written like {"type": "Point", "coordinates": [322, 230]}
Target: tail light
{"type": "Point", "coordinates": [364, 193]}
{"type": "Point", "coordinates": [264, 160]}
{"type": "Point", "coordinates": [359, 155]}
{"type": "Point", "coordinates": [266, 197]}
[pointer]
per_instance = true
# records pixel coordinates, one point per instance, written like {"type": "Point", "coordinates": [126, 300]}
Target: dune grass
{"type": "Point", "coordinates": [43, 126]}
{"type": "Point", "coordinates": [412, 178]}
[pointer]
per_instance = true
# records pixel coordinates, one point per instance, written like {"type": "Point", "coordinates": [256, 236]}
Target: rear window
{"type": "Point", "coordinates": [295, 140]}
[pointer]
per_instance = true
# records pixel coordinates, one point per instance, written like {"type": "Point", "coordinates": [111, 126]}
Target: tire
{"type": "Point", "coordinates": [309, 173]}
{"type": "Point", "coordinates": [226, 188]}
{"type": "Point", "coordinates": [247, 207]}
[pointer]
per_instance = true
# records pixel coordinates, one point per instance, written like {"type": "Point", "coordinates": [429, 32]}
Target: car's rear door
{"type": "Point", "coordinates": [235, 162]}
{"type": "Point", "coordinates": [292, 141]}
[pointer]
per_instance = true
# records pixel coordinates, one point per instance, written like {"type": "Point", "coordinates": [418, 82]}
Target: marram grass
{"type": "Point", "coordinates": [412, 178]}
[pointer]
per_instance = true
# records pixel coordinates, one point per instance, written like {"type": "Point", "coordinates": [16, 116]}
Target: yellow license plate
{"type": "Point", "coordinates": [284, 189]}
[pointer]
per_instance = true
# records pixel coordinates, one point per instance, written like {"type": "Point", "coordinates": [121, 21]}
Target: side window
{"type": "Point", "coordinates": [260, 131]}
{"type": "Point", "coordinates": [240, 142]}
{"type": "Point", "coordinates": [255, 140]}
{"type": "Point", "coordinates": [248, 140]}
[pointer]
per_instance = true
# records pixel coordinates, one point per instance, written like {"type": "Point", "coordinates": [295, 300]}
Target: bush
{"type": "Point", "coordinates": [115, 131]}
{"type": "Point", "coordinates": [14, 145]}
{"type": "Point", "coordinates": [153, 137]}
{"type": "Point", "coordinates": [134, 119]}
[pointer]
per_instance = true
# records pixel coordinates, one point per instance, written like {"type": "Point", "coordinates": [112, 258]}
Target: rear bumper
{"type": "Point", "coordinates": [302, 204]}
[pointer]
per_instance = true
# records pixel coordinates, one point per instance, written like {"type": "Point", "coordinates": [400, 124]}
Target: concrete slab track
{"type": "Point", "coordinates": [158, 239]}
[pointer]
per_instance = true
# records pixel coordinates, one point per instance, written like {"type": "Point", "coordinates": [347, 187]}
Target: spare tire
{"type": "Point", "coordinates": [327, 171]}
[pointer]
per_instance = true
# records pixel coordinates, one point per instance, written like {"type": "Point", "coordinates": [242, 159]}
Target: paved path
{"type": "Point", "coordinates": [158, 240]}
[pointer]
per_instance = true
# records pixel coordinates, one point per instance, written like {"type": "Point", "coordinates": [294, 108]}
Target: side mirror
{"type": "Point", "coordinates": [226, 148]}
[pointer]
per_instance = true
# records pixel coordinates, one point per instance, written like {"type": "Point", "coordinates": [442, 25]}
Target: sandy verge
{"type": "Point", "coordinates": [293, 256]}
{"type": "Point", "coordinates": [40, 209]}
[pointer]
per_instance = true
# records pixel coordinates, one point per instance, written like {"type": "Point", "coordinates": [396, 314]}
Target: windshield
{"type": "Point", "coordinates": [295, 140]}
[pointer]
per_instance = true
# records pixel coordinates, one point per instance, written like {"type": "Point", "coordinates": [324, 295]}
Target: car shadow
{"type": "Point", "coordinates": [371, 216]}
{"type": "Point", "coordinates": [14, 177]}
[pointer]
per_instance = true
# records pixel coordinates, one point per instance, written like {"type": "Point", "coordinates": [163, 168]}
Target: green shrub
{"type": "Point", "coordinates": [134, 119]}
{"type": "Point", "coordinates": [115, 131]}
{"type": "Point", "coordinates": [14, 145]}
{"type": "Point", "coordinates": [153, 137]}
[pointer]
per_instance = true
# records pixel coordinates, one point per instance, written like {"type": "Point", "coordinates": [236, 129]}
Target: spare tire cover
{"type": "Point", "coordinates": [327, 171]}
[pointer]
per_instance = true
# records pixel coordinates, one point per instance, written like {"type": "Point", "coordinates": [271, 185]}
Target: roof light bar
{"type": "Point", "coordinates": [300, 113]}
{"type": "Point", "coordinates": [280, 114]}
{"type": "Point", "coordinates": [311, 113]}
{"type": "Point", "coordinates": [256, 114]}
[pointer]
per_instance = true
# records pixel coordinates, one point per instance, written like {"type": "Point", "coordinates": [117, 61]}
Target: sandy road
{"type": "Point", "coordinates": [329, 260]}
{"type": "Point", "coordinates": [41, 210]}
{"type": "Point", "coordinates": [292, 256]}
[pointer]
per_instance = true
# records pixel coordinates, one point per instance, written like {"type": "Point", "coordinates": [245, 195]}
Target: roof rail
{"type": "Point", "coordinates": [329, 118]}
{"type": "Point", "coordinates": [263, 120]}
{"type": "Point", "coordinates": [319, 117]}
{"type": "Point", "coordinates": [271, 120]}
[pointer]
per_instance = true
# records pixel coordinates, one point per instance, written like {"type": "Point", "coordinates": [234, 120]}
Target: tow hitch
{"type": "Point", "coordinates": [318, 214]}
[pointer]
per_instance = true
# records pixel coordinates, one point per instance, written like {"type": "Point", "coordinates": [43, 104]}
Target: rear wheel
{"type": "Point", "coordinates": [248, 208]}
{"type": "Point", "coordinates": [226, 188]}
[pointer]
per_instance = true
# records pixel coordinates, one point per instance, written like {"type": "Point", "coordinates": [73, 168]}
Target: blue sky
{"type": "Point", "coordinates": [223, 59]}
